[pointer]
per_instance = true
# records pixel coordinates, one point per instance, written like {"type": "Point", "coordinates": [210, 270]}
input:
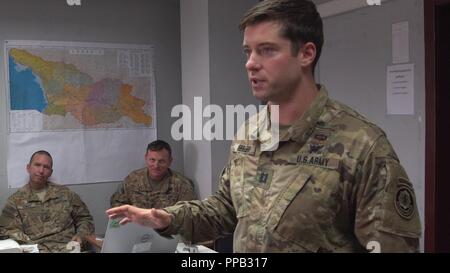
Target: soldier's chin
{"type": "Point", "coordinates": [260, 95]}
{"type": "Point", "coordinates": [156, 175]}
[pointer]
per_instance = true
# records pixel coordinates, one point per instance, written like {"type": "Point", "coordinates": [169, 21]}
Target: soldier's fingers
{"type": "Point", "coordinates": [124, 221]}
{"type": "Point", "coordinates": [112, 211]}
{"type": "Point", "coordinates": [113, 215]}
{"type": "Point", "coordinates": [117, 210]}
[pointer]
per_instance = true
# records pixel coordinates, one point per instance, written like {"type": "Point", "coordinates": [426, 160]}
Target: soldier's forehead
{"type": "Point", "coordinates": [41, 158]}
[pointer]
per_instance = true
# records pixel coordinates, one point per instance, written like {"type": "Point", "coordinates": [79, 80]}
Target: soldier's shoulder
{"type": "Point", "coordinates": [63, 191]}
{"type": "Point", "coordinates": [180, 178]}
{"type": "Point", "coordinates": [351, 121]}
{"type": "Point", "coordinates": [136, 174]}
{"type": "Point", "coordinates": [19, 195]}
{"type": "Point", "coordinates": [58, 187]}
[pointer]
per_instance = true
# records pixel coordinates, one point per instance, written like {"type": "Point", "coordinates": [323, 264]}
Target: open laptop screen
{"type": "Point", "coordinates": [134, 238]}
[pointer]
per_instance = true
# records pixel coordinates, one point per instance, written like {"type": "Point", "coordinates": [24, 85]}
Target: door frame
{"type": "Point", "coordinates": [431, 183]}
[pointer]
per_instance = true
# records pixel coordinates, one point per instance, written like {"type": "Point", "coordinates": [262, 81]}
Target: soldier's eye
{"type": "Point", "coordinates": [247, 52]}
{"type": "Point", "coordinates": [267, 51]}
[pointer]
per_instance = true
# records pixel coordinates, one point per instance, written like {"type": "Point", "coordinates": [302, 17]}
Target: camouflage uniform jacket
{"type": "Point", "coordinates": [333, 184]}
{"type": "Point", "coordinates": [136, 190]}
{"type": "Point", "coordinates": [52, 223]}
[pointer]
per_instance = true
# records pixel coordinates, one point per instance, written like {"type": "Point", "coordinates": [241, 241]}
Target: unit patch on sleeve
{"type": "Point", "coordinates": [404, 200]}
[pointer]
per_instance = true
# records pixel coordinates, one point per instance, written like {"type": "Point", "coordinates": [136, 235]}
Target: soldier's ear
{"type": "Point", "coordinates": [307, 54]}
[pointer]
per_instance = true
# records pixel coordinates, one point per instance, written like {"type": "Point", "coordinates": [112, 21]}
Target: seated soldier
{"type": "Point", "coordinates": [155, 186]}
{"type": "Point", "coordinates": [45, 213]}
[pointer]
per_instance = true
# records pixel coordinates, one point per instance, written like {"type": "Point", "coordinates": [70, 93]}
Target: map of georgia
{"type": "Point", "coordinates": [59, 88]}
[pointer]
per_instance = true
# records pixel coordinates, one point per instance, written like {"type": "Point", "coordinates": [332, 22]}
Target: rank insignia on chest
{"type": "Point", "coordinates": [263, 178]}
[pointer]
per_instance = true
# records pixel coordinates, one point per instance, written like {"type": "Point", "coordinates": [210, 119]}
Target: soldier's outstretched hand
{"type": "Point", "coordinates": [153, 218]}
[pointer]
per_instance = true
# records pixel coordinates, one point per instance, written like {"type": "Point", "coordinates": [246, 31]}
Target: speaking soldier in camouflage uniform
{"type": "Point", "coordinates": [45, 213]}
{"type": "Point", "coordinates": [333, 183]}
{"type": "Point", "coordinates": [156, 186]}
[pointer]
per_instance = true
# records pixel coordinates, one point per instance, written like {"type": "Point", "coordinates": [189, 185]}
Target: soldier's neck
{"type": "Point", "coordinates": [38, 188]}
{"type": "Point", "coordinates": [295, 106]}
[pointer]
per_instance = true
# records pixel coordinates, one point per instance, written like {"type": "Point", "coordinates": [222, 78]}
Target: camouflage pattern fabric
{"type": "Point", "coordinates": [52, 223]}
{"type": "Point", "coordinates": [334, 184]}
{"type": "Point", "coordinates": [137, 190]}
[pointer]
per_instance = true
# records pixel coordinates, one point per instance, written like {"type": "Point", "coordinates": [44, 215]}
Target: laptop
{"type": "Point", "coordinates": [134, 238]}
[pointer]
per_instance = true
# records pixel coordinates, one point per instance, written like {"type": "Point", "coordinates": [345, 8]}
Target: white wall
{"type": "Point", "coordinates": [195, 83]}
{"type": "Point", "coordinates": [213, 68]}
{"type": "Point", "coordinates": [228, 77]}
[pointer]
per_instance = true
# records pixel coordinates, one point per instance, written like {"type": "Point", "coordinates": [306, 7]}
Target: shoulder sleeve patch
{"type": "Point", "coordinates": [404, 199]}
{"type": "Point", "coordinates": [400, 213]}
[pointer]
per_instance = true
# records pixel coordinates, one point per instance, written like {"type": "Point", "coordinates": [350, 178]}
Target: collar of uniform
{"type": "Point", "coordinates": [259, 124]}
{"type": "Point", "coordinates": [166, 180]}
{"type": "Point", "coordinates": [53, 191]}
{"type": "Point", "coordinates": [302, 128]}
{"type": "Point", "coordinates": [32, 197]}
{"type": "Point", "coordinates": [259, 128]}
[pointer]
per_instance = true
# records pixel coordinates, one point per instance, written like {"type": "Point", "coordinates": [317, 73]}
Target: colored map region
{"type": "Point", "coordinates": [81, 88]}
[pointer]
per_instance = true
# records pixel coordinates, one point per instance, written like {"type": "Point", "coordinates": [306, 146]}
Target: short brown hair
{"type": "Point", "coordinates": [158, 145]}
{"type": "Point", "coordinates": [42, 152]}
{"type": "Point", "coordinates": [300, 22]}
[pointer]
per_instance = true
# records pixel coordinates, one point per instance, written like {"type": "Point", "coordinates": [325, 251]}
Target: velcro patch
{"type": "Point", "coordinates": [263, 178]}
{"type": "Point", "coordinates": [244, 149]}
